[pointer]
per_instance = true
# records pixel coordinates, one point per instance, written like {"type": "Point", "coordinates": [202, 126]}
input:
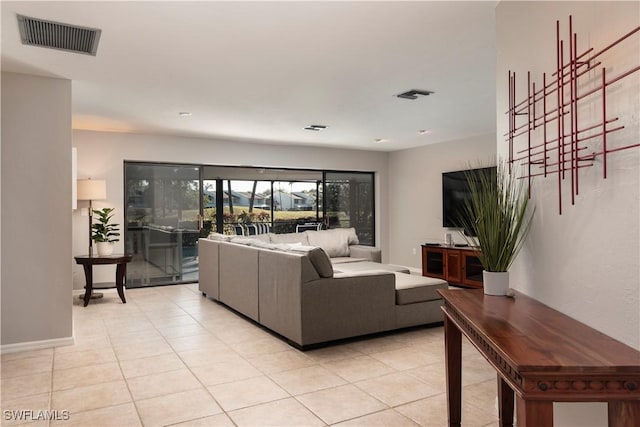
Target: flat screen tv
{"type": "Point", "coordinates": [455, 193]}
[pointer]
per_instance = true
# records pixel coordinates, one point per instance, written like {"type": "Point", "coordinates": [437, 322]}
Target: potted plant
{"type": "Point", "coordinates": [497, 218]}
{"type": "Point", "coordinates": [104, 233]}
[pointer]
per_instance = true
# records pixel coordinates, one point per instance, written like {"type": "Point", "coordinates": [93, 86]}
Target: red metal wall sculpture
{"type": "Point", "coordinates": [547, 136]}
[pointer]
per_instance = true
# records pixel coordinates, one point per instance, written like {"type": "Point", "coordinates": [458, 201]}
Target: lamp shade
{"type": "Point", "coordinates": [92, 189]}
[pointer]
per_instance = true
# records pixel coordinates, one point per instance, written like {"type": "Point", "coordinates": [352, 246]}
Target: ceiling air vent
{"type": "Point", "coordinates": [316, 128]}
{"type": "Point", "coordinates": [414, 93]}
{"type": "Point", "coordinates": [54, 35]}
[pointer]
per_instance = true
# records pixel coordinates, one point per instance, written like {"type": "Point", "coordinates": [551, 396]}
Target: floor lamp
{"type": "Point", "coordinates": [91, 189]}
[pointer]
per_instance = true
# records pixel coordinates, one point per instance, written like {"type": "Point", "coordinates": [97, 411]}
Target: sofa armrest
{"type": "Point", "coordinates": [281, 276]}
{"type": "Point", "coordinates": [347, 305]}
{"type": "Point", "coordinates": [209, 284]}
{"type": "Point", "coordinates": [368, 252]}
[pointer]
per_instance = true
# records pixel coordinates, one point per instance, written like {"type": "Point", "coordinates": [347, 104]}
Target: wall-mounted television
{"type": "Point", "coordinates": [455, 193]}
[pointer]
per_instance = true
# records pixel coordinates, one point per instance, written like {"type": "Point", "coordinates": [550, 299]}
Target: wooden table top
{"type": "Point", "coordinates": [104, 259]}
{"type": "Point", "coordinates": [533, 337]}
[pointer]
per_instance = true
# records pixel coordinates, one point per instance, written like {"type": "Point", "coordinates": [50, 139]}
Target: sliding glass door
{"type": "Point", "coordinates": [170, 206]}
{"type": "Point", "coordinates": [163, 223]}
{"type": "Point", "coordinates": [349, 202]}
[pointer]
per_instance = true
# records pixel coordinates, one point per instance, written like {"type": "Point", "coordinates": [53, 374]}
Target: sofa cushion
{"type": "Point", "coordinates": [289, 238]}
{"type": "Point", "coordinates": [371, 253]}
{"type": "Point", "coordinates": [411, 288]}
{"type": "Point", "coordinates": [248, 241]}
{"type": "Point", "coordinates": [343, 259]}
{"type": "Point", "coordinates": [262, 237]}
{"type": "Point", "coordinates": [335, 242]}
{"type": "Point", "coordinates": [219, 237]}
{"type": "Point", "coordinates": [351, 236]}
{"type": "Point", "coordinates": [370, 266]}
{"type": "Point", "coordinates": [341, 233]}
{"type": "Point", "coordinates": [318, 257]}
{"type": "Point", "coordinates": [272, 246]}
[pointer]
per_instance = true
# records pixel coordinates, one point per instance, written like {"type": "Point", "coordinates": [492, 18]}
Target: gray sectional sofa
{"type": "Point", "coordinates": [316, 286]}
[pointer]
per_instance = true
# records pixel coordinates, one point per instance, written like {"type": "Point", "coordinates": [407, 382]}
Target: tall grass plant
{"type": "Point", "coordinates": [499, 215]}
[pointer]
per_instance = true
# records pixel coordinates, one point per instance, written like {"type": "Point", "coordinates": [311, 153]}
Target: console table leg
{"type": "Point", "coordinates": [624, 413]}
{"type": "Point", "coordinates": [534, 413]}
{"type": "Point", "coordinates": [121, 272]}
{"type": "Point", "coordinates": [505, 403]}
{"type": "Point", "coordinates": [88, 287]}
{"type": "Point", "coordinates": [453, 353]}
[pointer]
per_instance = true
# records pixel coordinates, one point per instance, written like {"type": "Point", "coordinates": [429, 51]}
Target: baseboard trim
{"type": "Point", "coordinates": [36, 345]}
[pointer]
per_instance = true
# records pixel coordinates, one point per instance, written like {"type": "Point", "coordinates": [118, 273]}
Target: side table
{"type": "Point", "coordinates": [88, 262]}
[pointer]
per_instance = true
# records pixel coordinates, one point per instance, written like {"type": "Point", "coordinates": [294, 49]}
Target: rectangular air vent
{"type": "Point", "coordinates": [54, 35]}
{"type": "Point", "coordinates": [414, 94]}
{"type": "Point", "coordinates": [316, 128]}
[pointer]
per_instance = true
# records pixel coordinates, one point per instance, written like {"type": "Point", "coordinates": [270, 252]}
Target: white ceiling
{"type": "Point", "coordinates": [261, 71]}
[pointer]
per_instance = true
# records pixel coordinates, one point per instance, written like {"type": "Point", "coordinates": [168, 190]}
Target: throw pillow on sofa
{"type": "Point", "coordinates": [335, 241]}
{"type": "Point", "coordinates": [352, 237]}
{"type": "Point", "coordinates": [318, 257]}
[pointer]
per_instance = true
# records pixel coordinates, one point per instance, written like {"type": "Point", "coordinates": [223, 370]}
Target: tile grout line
{"type": "Point", "coordinates": [124, 378]}
{"type": "Point", "coordinates": [189, 367]}
{"type": "Point", "coordinates": [266, 375]}
{"type": "Point", "coordinates": [174, 352]}
{"type": "Point", "coordinates": [111, 347]}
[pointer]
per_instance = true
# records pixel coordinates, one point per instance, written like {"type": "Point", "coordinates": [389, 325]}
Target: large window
{"type": "Point", "coordinates": [245, 202]}
{"type": "Point", "coordinates": [284, 199]}
{"type": "Point", "coordinates": [295, 203]}
{"type": "Point", "coordinates": [169, 206]}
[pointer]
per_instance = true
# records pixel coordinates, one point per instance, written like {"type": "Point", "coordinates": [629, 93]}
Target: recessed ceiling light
{"type": "Point", "coordinates": [184, 114]}
{"type": "Point", "coordinates": [424, 132]}
{"type": "Point", "coordinates": [315, 127]}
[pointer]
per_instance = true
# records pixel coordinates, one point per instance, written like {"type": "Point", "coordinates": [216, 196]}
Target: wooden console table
{"type": "Point", "coordinates": [121, 271]}
{"type": "Point", "coordinates": [540, 354]}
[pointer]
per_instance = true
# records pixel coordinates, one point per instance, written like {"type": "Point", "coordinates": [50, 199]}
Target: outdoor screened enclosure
{"type": "Point", "coordinates": [170, 206]}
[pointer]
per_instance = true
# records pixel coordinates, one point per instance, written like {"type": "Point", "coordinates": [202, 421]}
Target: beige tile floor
{"type": "Point", "coordinates": [171, 357]}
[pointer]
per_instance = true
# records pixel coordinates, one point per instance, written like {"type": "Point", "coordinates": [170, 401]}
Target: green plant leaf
{"type": "Point", "coordinates": [499, 214]}
{"type": "Point", "coordinates": [103, 231]}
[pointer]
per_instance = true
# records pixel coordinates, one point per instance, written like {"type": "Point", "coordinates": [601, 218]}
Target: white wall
{"type": "Point", "coordinates": [36, 209]}
{"type": "Point", "coordinates": [101, 156]}
{"type": "Point", "coordinates": [585, 262]}
{"type": "Point", "coordinates": [415, 192]}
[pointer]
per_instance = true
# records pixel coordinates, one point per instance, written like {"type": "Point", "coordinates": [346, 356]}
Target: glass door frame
{"type": "Point", "coordinates": [141, 243]}
{"type": "Point", "coordinates": [353, 200]}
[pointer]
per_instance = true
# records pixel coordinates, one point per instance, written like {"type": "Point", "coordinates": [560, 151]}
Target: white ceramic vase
{"type": "Point", "coordinates": [495, 283]}
{"type": "Point", "coordinates": [105, 248]}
